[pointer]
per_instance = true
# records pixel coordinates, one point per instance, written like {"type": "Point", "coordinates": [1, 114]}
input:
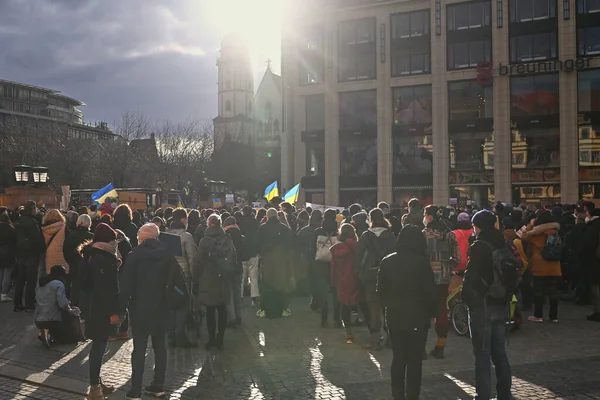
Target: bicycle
{"type": "Point", "coordinates": [458, 311]}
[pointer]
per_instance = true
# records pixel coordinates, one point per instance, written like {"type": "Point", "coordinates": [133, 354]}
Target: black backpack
{"type": "Point", "coordinates": [553, 248]}
{"type": "Point", "coordinates": [176, 291]}
{"type": "Point", "coordinates": [506, 273]}
{"type": "Point", "coordinates": [225, 262]}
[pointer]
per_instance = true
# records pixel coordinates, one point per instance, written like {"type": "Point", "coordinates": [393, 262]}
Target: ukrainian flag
{"type": "Point", "coordinates": [292, 195]}
{"type": "Point", "coordinates": [271, 191]}
{"type": "Point", "coordinates": [107, 191]}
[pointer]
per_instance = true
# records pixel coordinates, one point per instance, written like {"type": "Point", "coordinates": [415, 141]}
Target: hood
{"type": "Point", "coordinates": [378, 231]}
{"type": "Point", "coordinates": [463, 225]}
{"type": "Point", "coordinates": [343, 249]}
{"type": "Point", "coordinates": [221, 244]}
{"type": "Point", "coordinates": [213, 232]}
{"type": "Point", "coordinates": [545, 229]}
{"type": "Point", "coordinates": [412, 240]}
{"type": "Point", "coordinates": [150, 249]}
{"type": "Point", "coordinates": [51, 229]}
{"type": "Point", "coordinates": [493, 237]}
{"type": "Point", "coordinates": [175, 231]}
{"type": "Point", "coordinates": [360, 217]}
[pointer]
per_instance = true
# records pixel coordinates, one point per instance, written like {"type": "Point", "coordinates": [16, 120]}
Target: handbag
{"type": "Point", "coordinates": [324, 244]}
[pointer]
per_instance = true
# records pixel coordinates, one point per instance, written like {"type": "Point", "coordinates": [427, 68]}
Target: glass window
{"type": "Point", "coordinates": [541, 46]}
{"type": "Point", "coordinates": [588, 6]}
{"type": "Point", "coordinates": [412, 24]}
{"type": "Point", "coordinates": [536, 148]}
{"type": "Point", "coordinates": [358, 157]}
{"type": "Point", "coordinates": [357, 51]}
{"type": "Point", "coordinates": [469, 100]}
{"type": "Point", "coordinates": [468, 15]}
{"type": "Point", "coordinates": [310, 56]}
{"type": "Point", "coordinates": [358, 110]}
{"type": "Point", "coordinates": [315, 159]}
{"type": "Point", "coordinates": [413, 154]}
{"type": "Point", "coordinates": [588, 41]}
{"type": "Point", "coordinates": [530, 10]}
{"type": "Point", "coordinates": [408, 62]}
{"type": "Point", "coordinates": [588, 91]}
{"type": "Point", "coordinates": [228, 105]}
{"type": "Point", "coordinates": [472, 151]}
{"type": "Point", "coordinates": [468, 54]}
{"type": "Point", "coordinates": [534, 95]}
{"type": "Point", "coordinates": [315, 112]}
{"type": "Point", "coordinates": [412, 105]}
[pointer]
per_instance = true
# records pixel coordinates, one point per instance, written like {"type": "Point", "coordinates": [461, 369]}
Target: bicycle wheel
{"type": "Point", "coordinates": [459, 315]}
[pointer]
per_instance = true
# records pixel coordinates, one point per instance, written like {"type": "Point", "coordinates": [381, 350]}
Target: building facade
{"type": "Point", "coordinates": [43, 109]}
{"type": "Point", "coordinates": [450, 101]}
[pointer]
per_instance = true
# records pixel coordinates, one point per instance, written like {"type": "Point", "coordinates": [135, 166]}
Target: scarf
{"type": "Point", "coordinates": [226, 228]}
{"type": "Point", "coordinates": [111, 248]}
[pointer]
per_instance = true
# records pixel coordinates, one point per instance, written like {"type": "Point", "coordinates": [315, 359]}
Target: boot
{"type": "Point", "coordinates": [106, 389]}
{"type": "Point", "coordinates": [375, 342]}
{"type": "Point", "coordinates": [219, 341]}
{"type": "Point", "coordinates": [438, 351]}
{"type": "Point", "coordinates": [96, 393]}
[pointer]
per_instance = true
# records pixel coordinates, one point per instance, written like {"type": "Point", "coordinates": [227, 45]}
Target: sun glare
{"type": "Point", "coordinates": [258, 21]}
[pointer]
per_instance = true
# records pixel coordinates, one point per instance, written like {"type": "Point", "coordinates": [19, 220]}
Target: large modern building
{"type": "Point", "coordinates": [451, 101]}
{"type": "Point", "coordinates": [38, 108]}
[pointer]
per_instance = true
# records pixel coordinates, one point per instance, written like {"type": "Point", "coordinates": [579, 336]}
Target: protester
{"type": "Point", "coordinates": [142, 291]}
{"type": "Point", "coordinates": [193, 221]}
{"type": "Point", "coordinates": [274, 243]}
{"type": "Point", "coordinates": [463, 233]}
{"type": "Point", "coordinates": [52, 303]}
{"type": "Point", "coordinates": [54, 230]}
{"type": "Point", "coordinates": [396, 224]}
{"type": "Point", "coordinates": [546, 273]}
{"type": "Point", "coordinates": [414, 215]}
{"type": "Point", "coordinates": [304, 243]}
{"type": "Point", "coordinates": [99, 280]}
{"type": "Point", "coordinates": [289, 213]}
{"type": "Point", "coordinates": [325, 237]}
{"type": "Point", "coordinates": [123, 220]}
{"type": "Point", "coordinates": [444, 255]}
{"type": "Point", "coordinates": [249, 226]}
{"type": "Point", "coordinates": [343, 279]}
{"type": "Point", "coordinates": [74, 240]}
{"type": "Point", "coordinates": [137, 219]}
{"type": "Point", "coordinates": [30, 247]}
{"type": "Point", "coordinates": [488, 315]}
{"type": "Point", "coordinates": [407, 291]}
{"type": "Point", "coordinates": [590, 260]}
{"type": "Point", "coordinates": [201, 228]}
{"type": "Point", "coordinates": [160, 223]}
{"type": "Point", "coordinates": [376, 243]}
{"type": "Point", "coordinates": [234, 309]}
{"type": "Point", "coordinates": [573, 249]}
{"type": "Point", "coordinates": [213, 265]}
{"type": "Point", "coordinates": [8, 259]}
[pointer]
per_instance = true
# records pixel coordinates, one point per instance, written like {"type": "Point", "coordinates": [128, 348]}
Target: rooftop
{"type": "Point", "coordinates": [54, 93]}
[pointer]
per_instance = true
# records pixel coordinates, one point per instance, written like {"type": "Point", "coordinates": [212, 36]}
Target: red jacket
{"type": "Point", "coordinates": [342, 272]}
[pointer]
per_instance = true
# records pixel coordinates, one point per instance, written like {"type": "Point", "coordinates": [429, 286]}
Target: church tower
{"type": "Point", "coordinates": [236, 92]}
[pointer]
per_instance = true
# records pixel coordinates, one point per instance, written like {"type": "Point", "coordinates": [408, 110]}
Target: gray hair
{"type": "Point", "coordinates": [84, 221]}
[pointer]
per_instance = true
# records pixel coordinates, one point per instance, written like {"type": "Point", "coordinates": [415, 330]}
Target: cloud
{"type": "Point", "coordinates": [147, 55]}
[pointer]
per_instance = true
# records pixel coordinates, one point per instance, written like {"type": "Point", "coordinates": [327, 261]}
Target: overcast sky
{"type": "Point", "coordinates": [156, 57]}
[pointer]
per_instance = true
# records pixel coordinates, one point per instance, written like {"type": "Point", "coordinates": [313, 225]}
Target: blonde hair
{"type": "Point", "coordinates": [84, 220]}
{"type": "Point", "coordinates": [214, 220]}
{"type": "Point", "coordinates": [52, 217]}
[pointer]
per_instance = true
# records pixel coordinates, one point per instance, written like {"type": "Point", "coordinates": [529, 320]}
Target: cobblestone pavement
{"type": "Point", "coordinates": [294, 358]}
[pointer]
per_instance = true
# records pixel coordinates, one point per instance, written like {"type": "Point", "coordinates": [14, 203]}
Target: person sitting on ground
{"type": "Point", "coordinates": [52, 303]}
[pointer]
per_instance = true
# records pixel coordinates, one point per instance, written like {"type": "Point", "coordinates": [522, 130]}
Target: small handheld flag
{"type": "Point", "coordinates": [107, 191]}
{"type": "Point", "coordinates": [271, 191]}
{"type": "Point", "coordinates": [292, 195]}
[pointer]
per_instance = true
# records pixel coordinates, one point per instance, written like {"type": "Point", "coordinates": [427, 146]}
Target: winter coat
{"type": "Point", "coordinates": [274, 241]}
{"type": "Point", "coordinates": [510, 236]}
{"type": "Point", "coordinates": [238, 243]}
{"type": "Point", "coordinates": [8, 245]}
{"type": "Point", "coordinates": [536, 237]}
{"type": "Point", "coordinates": [74, 239]}
{"type": "Point", "coordinates": [480, 270]}
{"type": "Point", "coordinates": [414, 217]}
{"type": "Point", "coordinates": [405, 286]}
{"type": "Point", "coordinates": [359, 220]}
{"type": "Point", "coordinates": [30, 241]}
{"type": "Point", "coordinates": [462, 233]}
{"type": "Point", "coordinates": [142, 286]}
{"type": "Point", "coordinates": [54, 238]}
{"type": "Point", "coordinates": [373, 246]}
{"type": "Point", "coordinates": [199, 232]}
{"type": "Point", "coordinates": [98, 272]}
{"type": "Point", "coordinates": [213, 285]}
{"type": "Point", "coordinates": [395, 222]}
{"type": "Point", "coordinates": [188, 248]}
{"type": "Point", "coordinates": [129, 229]}
{"type": "Point", "coordinates": [249, 227]}
{"type": "Point", "coordinates": [590, 242]}
{"type": "Point", "coordinates": [567, 223]}
{"type": "Point", "coordinates": [304, 242]}
{"type": "Point", "coordinates": [51, 300]}
{"type": "Point", "coordinates": [343, 279]}
{"type": "Point", "coordinates": [444, 253]}
{"type": "Point", "coordinates": [573, 246]}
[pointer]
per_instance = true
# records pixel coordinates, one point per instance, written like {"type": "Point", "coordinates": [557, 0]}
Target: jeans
{"type": "Point", "coordinates": [211, 321]}
{"type": "Point", "coordinates": [27, 275]}
{"type": "Point", "coordinates": [545, 286]}
{"type": "Point", "coordinates": [408, 347]}
{"type": "Point", "coordinates": [95, 360]}
{"type": "Point", "coordinates": [5, 274]}
{"type": "Point", "coordinates": [250, 270]}
{"type": "Point", "coordinates": [325, 292]}
{"type": "Point", "coordinates": [234, 308]}
{"type": "Point", "coordinates": [489, 345]}
{"type": "Point", "coordinates": [138, 358]}
{"type": "Point", "coordinates": [441, 320]}
{"type": "Point", "coordinates": [375, 311]}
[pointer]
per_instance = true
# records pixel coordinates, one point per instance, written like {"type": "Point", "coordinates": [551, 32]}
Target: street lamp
{"type": "Point", "coordinates": [40, 175]}
{"type": "Point", "coordinates": [22, 173]}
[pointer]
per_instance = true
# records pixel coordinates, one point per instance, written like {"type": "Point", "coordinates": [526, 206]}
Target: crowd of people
{"type": "Point", "coordinates": [391, 270]}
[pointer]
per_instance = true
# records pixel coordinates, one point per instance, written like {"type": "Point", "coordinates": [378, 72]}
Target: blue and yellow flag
{"type": "Point", "coordinates": [271, 191]}
{"type": "Point", "coordinates": [107, 191]}
{"type": "Point", "coordinates": [292, 195]}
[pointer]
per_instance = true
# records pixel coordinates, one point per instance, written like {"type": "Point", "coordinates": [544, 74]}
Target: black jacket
{"type": "Point", "coordinates": [304, 242]}
{"type": "Point", "coordinates": [590, 241]}
{"type": "Point", "coordinates": [238, 242]}
{"type": "Point", "coordinates": [213, 286]}
{"type": "Point", "coordinates": [567, 223]}
{"type": "Point", "coordinates": [480, 269]}
{"type": "Point", "coordinates": [199, 232]}
{"type": "Point", "coordinates": [272, 234]}
{"type": "Point", "coordinates": [30, 242]}
{"type": "Point", "coordinates": [130, 230]}
{"type": "Point", "coordinates": [406, 287]}
{"type": "Point", "coordinates": [8, 243]}
{"type": "Point", "coordinates": [143, 286]}
{"type": "Point", "coordinates": [373, 246]}
{"type": "Point", "coordinates": [396, 223]}
{"type": "Point", "coordinates": [249, 227]}
{"type": "Point", "coordinates": [73, 240]}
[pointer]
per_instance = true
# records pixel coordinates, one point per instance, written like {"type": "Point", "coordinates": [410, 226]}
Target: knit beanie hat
{"type": "Point", "coordinates": [484, 220]}
{"type": "Point", "coordinates": [148, 231]}
{"type": "Point", "coordinates": [104, 233]}
{"type": "Point", "coordinates": [463, 217]}
{"type": "Point", "coordinates": [230, 221]}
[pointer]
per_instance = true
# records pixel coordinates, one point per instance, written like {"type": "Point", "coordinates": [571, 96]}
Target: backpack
{"type": "Point", "coordinates": [225, 263]}
{"type": "Point", "coordinates": [176, 291]}
{"type": "Point", "coordinates": [324, 244]}
{"type": "Point", "coordinates": [553, 248]}
{"type": "Point", "coordinates": [506, 273]}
